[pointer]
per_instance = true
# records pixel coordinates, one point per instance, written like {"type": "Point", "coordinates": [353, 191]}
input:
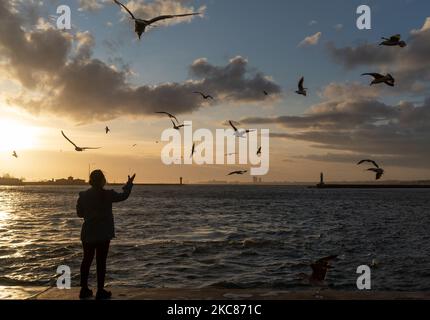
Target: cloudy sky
{"type": "Point", "coordinates": [99, 74]}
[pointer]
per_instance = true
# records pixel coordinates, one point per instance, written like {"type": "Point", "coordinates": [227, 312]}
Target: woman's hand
{"type": "Point", "coordinates": [131, 179]}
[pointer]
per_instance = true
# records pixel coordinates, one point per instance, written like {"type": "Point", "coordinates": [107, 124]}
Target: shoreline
{"type": "Point", "coordinates": [132, 293]}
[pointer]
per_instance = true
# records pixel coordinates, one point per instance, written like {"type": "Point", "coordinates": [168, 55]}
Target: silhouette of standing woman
{"type": "Point", "coordinates": [95, 206]}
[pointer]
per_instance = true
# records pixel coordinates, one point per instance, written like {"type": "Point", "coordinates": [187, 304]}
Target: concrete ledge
{"type": "Point", "coordinates": [234, 294]}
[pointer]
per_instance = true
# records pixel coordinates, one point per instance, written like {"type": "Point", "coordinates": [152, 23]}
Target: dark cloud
{"type": "Point", "coordinates": [410, 66]}
{"type": "Point", "coordinates": [334, 114]}
{"type": "Point", "coordinates": [232, 81]}
{"type": "Point", "coordinates": [59, 74]}
{"type": "Point", "coordinates": [365, 127]}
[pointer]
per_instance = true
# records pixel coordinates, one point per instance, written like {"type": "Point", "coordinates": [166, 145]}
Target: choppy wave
{"type": "Point", "coordinates": [223, 236]}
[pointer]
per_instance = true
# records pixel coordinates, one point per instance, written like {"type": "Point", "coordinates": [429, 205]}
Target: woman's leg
{"type": "Point", "coordinates": [101, 257]}
{"type": "Point", "coordinates": [89, 251]}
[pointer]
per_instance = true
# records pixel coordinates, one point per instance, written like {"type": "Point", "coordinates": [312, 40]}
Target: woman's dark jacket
{"type": "Point", "coordinates": [95, 206]}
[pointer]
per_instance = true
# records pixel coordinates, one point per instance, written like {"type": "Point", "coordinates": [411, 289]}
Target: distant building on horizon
{"type": "Point", "coordinates": [8, 180]}
{"type": "Point", "coordinates": [70, 181]}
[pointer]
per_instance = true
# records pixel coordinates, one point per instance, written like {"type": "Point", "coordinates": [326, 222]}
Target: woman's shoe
{"type": "Point", "coordinates": [85, 293]}
{"type": "Point", "coordinates": [103, 294]}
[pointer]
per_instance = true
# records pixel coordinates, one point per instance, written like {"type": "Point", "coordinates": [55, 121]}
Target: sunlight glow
{"type": "Point", "coordinates": [17, 136]}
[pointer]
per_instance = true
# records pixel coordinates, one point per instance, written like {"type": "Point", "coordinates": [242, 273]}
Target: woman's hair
{"type": "Point", "coordinates": [97, 179]}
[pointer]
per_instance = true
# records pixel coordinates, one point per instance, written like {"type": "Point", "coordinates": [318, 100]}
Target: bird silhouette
{"type": "Point", "coordinates": [301, 89]}
{"type": "Point", "coordinates": [193, 150]}
{"type": "Point", "coordinates": [171, 116]}
{"type": "Point", "coordinates": [14, 154]}
{"type": "Point", "coordinates": [368, 160]}
{"type": "Point", "coordinates": [78, 149]}
{"type": "Point", "coordinates": [238, 172]}
{"type": "Point", "coordinates": [177, 126]}
{"type": "Point", "coordinates": [107, 129]}
{"type": "Point", "coordinates": [379, 172]}
{"type": "Point", "coordinates": [204, 96]}
{"type": "Point", "coordinates": [393, 41]}
{"type": "Point", "coordinates": [379, 78]}
{"type": "Point", "coordinates": [259, 152]}
{"type": "Point", "coordinates": [237, 132]}
{"type": "Point", "coordinates": [319, 271]}
{"type": "Point", "coordinates": [140, 25]}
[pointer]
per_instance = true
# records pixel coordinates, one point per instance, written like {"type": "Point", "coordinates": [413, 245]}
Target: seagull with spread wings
{"type": "Point", "coordinates": [379, 78]}
{"type": "Point", "coordinates": [238, 172]}
{"type": "Point", "coordinates": [79, 149]}
{"type": "Point", "coordinates": [204, 96]}
{"type": "Point", "coordinates": [377, 170]}
{"type": "Point", "coordinates": [237, 132]}
{"type": "Point", "coordinates": [171, 116]}
{"type": "Point", "coordinates": [393, 41]}
{"type": "Point", "coordinates": [142, 24]}
{"type": "Point", "coordinates": [301, 89]}
{"type": "Point", "coordinates": [14, 154]}
{"type": "Point", "coordinates": [370, 161]}
{"type": "Point", "coordinates": [177, 126]}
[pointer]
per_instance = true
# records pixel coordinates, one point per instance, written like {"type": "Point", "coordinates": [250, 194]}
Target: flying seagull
{"type": "Point", "coordinates": [379, 172]}
{"type": "Point", "coordinates": [319, 270]}
{"type": "Point", "coordinates": [171, 116]}
{"type": "Point", "coordinates": [177, 126]}
{"type": "Point", "coordinates": [204, 96]}
{"type": "Point", "coordinates": [237, 133]}
{"type": "Point", "coordinates": [79, 149]}
{"type": "Point", "coordinates": [193, 150]}
{"type": "Point", "coordinates": [265, 93]}
{"type": "Point", "coordinates": [107, 129]}
{"type": "Point", "coordinates": [14, 154]}
{"type": "Point", "coordinates": [302, 90]}
{"type": "Point", "coordinates": [379, 78]}
{"type": "Point", "coordinates": [239, 172]}
{"type": "Point", "coordinates": [393, 41]}
{"type": "Point", "coordinates": [368, 160]}
{"type": "Point", "coordinates": [141, 24]}
{"type": "Point", "coordinates": [259, 152]}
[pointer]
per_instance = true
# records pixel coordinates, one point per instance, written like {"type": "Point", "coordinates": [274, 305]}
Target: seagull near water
{"type": "Point", "coordinates": [204, 96]}
{"type": "Point", "coordinates": [377, 170]}
{"type": "Point", "coordinates": [393, 41]}
{"type": "Point", "coordinates": [237, 133]}
{"type": "Point", "coordinates": [301, 89]}
{"type": "Point", "coordinates": [140, 25]}
{"type": "Point", "coordinates": [379, 78]}
{"type": "Point", "coordinates": [319, 271]}
{"type": "Point", "coordinates": [78, 149]}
